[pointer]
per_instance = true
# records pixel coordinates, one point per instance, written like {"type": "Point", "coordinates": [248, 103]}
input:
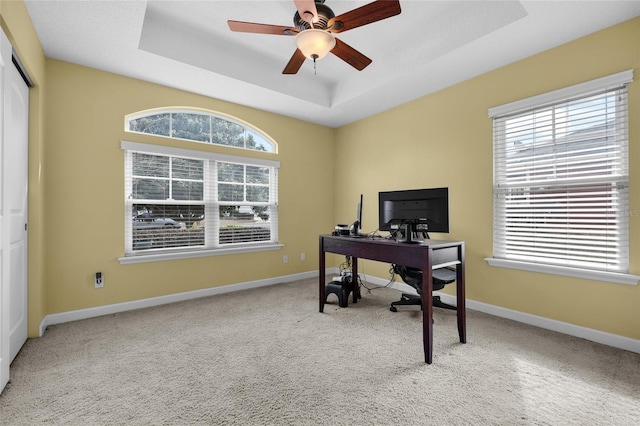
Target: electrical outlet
{"type": "Point", "coordinates": [303, 257]}
{"type": "Point", "coordinates": [285, 259]}
{"type": "Point", "coordinates": [98, 280]}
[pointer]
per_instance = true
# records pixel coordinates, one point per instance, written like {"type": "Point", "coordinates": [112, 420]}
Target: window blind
{"type": "Point", "coordinates": [181, 200]}
{"type": "Point", "coordinates": [561, 181]}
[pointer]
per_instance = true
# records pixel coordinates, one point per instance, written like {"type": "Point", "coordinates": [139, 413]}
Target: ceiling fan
{"type": "Point", "coordinates": [314, 26]}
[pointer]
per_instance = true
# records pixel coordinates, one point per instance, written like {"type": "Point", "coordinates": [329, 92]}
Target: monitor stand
{"type": "Point", "coordinates": [408, 230]}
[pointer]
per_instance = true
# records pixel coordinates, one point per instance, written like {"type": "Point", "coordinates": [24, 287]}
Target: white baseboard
{"type": "Point", "coordinates": [597, 336]}
{"type": "Point", "coordinates": [609, 339]}
{"type": "Point", "coordinates": [98, 311]}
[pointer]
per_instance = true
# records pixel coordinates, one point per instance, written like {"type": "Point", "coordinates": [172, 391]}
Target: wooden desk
{"type": "Point", "coordinates": [431, 254]}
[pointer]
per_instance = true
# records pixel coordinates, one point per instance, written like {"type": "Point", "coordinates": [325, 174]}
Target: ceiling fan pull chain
{"type": "Point", "coordinates": [314, 57]}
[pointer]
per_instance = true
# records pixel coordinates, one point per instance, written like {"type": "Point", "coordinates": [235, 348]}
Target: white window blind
{"type": "Point", "coordinates": [185, 200]}
{"type": "Point", "coordinates": [561, 178]}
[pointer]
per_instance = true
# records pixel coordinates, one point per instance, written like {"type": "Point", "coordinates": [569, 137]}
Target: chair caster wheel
{"type": "Point", "coordinates": [393, 309]}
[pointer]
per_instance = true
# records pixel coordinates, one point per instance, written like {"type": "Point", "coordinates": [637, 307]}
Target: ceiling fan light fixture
{"type": "Point", "coordinates": [315, 43]}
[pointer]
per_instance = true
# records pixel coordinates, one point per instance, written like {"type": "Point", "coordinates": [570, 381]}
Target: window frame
{"type": "Point", "coordinates": [546, 100]}
{"type": "Point", "coordinates": [213, 249]}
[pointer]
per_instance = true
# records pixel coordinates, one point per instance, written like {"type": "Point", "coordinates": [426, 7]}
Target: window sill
{"type": "Point", "coordinates": [613, 277]}
{"type": "Point", "coordinates": [159, 257]}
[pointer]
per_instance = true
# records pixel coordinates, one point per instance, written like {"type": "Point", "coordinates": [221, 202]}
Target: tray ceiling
{"type": "Point", "coordinates": [431, 45]}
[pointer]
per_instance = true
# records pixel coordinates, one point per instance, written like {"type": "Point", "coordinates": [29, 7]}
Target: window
{"type": "Point", "coordinates": [561, 184]}
{"type": "Point", "coordinates": [187, 201]}
{"type": "Point", "coordinates": [198, 126]}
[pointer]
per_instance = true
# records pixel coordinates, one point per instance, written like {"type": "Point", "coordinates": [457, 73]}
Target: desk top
{"type": "Point", "coordinates": [381, 240]}
{"type": "Point", "coordinates": [444, 252]}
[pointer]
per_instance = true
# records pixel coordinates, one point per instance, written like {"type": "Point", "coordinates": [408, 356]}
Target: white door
{"type": "Point", "coordinates": [5, 60]}
{"type": "Point", "coordinates": [16, 139]}
{"type": "Point", "coordinates": [14, 107]}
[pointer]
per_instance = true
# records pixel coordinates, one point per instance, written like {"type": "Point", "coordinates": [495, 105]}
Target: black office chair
{"type": "Point", "coordinates": [413, 277]}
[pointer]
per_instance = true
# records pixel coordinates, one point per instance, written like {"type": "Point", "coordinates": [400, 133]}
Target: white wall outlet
{"type": "Point", "coordinates": [285, 259]}
{"type": "Point", "coordinates": [98, 280]}
{"type": "Point", "coordinates": [303, 257]}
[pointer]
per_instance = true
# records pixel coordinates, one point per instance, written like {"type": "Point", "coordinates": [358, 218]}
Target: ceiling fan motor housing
{"type": "Point", "coordinates": [324, 15]}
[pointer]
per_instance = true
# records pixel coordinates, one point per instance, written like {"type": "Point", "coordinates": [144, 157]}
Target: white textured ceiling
{"type": "Point", "coordinates": [429, 46]}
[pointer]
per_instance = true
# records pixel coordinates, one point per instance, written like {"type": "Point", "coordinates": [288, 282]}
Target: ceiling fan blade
{"type": "Point", "coordinates": [350, 55]}
{"type": "Point", "coordinates": [252, 27]}
{"type": "Point", "coordinates": [367, 14]}
{"type": "Point", "coordinates": [295, 63]}
{"type": "Point", "coordinates": [307, 10]}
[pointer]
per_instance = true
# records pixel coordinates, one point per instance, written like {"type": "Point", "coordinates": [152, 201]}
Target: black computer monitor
{"type": "Point", "coordinates": [357, 225]}
{"type": "Point", "coordinates": [414, 210]}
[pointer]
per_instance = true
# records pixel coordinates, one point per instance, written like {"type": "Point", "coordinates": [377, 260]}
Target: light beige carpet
{"type": "Point", "coordinates": [267, 357]}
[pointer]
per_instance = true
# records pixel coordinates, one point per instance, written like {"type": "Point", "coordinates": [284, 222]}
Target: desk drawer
{"type": "Point", "coordinates": [444, 255]}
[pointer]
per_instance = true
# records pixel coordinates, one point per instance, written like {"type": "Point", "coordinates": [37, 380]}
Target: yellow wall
{"type": "Point", "coordinates": [445, 139]}
{"type": "Point", "coordinates": [85, 199]}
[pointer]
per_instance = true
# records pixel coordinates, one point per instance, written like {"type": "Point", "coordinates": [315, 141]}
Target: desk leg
{"type": "Point", "coordinates": [354, 279]}
{"type": "Point", "coordinates": [427, 307]}
{"type": "Point", "coordinates": [462, 312]}
{"type": "Point", "coordinates": [321, 276]}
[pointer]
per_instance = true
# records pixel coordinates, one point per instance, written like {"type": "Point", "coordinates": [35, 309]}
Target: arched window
{"type": "Point", "coordinates": [199, 126]}
{"type": "Point", "coordinates": [195, 202]}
